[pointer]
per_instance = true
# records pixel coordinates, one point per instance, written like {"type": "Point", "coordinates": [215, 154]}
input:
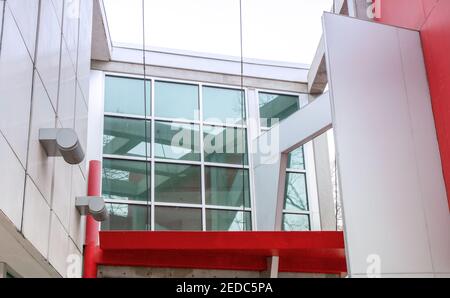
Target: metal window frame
{"type": "Point", "coordinates": [311, 189]}
{"type": "Point", "coordinates": [250, 114]}
{"type": "Point", "coordinates": [153, 160]}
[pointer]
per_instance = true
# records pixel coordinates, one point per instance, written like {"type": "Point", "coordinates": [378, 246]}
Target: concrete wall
{"type": "Point", "coordinates": [143, 272]}
{"type": "Point", "coordinates": [44, 73]}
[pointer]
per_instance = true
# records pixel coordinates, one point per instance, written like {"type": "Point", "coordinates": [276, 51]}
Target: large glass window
{"type": "Point", "coordinates": [125, 136]}
{"type": "Point", "coordinates": [221, 105]}
{"type": "Point", "coordinates": [177, 183]}
{"type": "Point", "coordinates": [126, 96]}
{"type": "Point", "coordinates": [177, 141]}
{"type": "Point", "coordinates": [176, 101]}
{"type": "Point", "coordinates": [296, 198]}
{"type": "Point", "coordinates": [228, 220]}
{"type": "Point", "coordinates": [296, 222]}
{"type": "Point", "coordinates": [178, 218]}
{"type": "Point", "coordinates": [127, 217]}
{"type": "Point", "coordinates": [227, 187]}
{"type": "Point", "coordinates": [125, 179]}
{"type": "Point", "coordinates": [296, 159]}
{"type": "Point", "coordinates": [182, 171]}
{"type": "Point", "coordinates": [276, 107]}
{"type": "Point", "coordinates": [225, 144]}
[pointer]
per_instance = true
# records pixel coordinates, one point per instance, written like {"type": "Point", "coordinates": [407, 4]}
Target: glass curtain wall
{"type": "Point", "coordinates": [178, 161]}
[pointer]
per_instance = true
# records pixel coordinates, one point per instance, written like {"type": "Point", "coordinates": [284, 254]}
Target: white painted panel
{"type": "Point", "coordinates": [11, 184]}
{"type": "Point", "coordinates": [77, 224]}
{"type": "Point", "coordinates": [81, 124]}
{"type": "Point", "coordinates": [58, 6]}
{"type": "Point", "coordinates": [434, 196]}
{"type": "Point", "coordinates": [266, 195]}
{"type": "Point", "coordinates": [40, 166]}
{"type": "Point", "coordinates": [58, 246]}
{"type": "Point", "coordinates": [384, 134]}
{"type": "Point", "coordinates": [61, 190]}
{"type": "Point", "coordinates": [67, 85]}
{"type": "Point", "coordinates": [301, 127]}
{"type": "Point", "coordinates": [25, 13]}
{"type": "Point", "coordinates": [84, 46]}
{"type": "Point", "coordinates": [74, 261]}
{"type": "Point", "coordinates": [36, 218]}
{"type": "Point", "coordinates": [48, 52]}
{"type": "Point", "coordinates": [16, 75]}
{"type": "Point", "coordinates": [70, 27]}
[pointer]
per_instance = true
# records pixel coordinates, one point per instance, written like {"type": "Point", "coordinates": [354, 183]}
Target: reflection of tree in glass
{"type": "Point", "coordinates": [296, 192]}
{"type": "Point", "coordinates": [115, 174]}
{"type": "Point", "coordinates": [238, 104]}
{"type": "Point", "coordinates": [107, 139]}
{"type": "Point", "coordinates": [295, 222]}
{"type": "Point", "coordinates": [118, 210]}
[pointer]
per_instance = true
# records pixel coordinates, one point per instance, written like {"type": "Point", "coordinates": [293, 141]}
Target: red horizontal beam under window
{"type": "Point", "coordinates": [318, 252]}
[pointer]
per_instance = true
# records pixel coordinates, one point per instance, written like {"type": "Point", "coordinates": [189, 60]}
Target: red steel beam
{"type": "Point", "coordinates": [312, 252]}
{"type": "Point", "coordinates": [213, 241]}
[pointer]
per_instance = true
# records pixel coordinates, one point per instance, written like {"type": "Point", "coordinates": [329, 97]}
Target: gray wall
{"type": "Point", "coordinates": [44, 82]}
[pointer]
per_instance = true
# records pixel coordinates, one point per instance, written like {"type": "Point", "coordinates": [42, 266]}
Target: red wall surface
{"type": "Point", "coordinates": [432, 19]}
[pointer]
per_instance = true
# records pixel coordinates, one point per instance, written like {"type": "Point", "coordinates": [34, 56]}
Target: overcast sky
{"type": "Point", "coordinates": [282, 30]}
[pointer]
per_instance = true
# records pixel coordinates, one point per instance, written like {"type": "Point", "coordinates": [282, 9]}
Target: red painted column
{"type": "Point", "coordinates": [92, 226]}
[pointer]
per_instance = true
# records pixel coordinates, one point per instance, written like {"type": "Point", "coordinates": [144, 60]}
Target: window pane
{"type": "Point", "coordinates": [126, 96]}
{"type": "Point", "coordinates": [125, 180]}
{"type": "Point", "coordinates": [124, 136]}
{"type": "Point", "coordinates": [296, 159]}
{"type": "Point", "coordinates": [296, 222]}
{"type": "Point", "coordinates": [174, 100]}
{"type": "Point", "coordinates": [296, 198]}
{"type": "Point", "coordinates": [228, 220]}
{"type": "Point", "coordinates": [226, 187]}
{"type": "Point", "coordinates": [225, 145]}
{"type": "Point", "coordinates": [177, 183]}
{"type": "Point", "coordinates": [276, 107]}
{"type": "Point", "coordinates": [126, 217]}
{"type": "Point", "coordinates": [177, 141]}
{"type": "Point", "coordinates": [223, 105]}
{"type": "Point", "coordinates": [178, 219]}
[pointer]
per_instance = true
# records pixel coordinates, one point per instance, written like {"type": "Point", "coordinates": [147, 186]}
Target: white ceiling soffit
{"type": "Point", "coordinates": [101, 40]}
{"type": "Point", "coordinates": [214, 63]}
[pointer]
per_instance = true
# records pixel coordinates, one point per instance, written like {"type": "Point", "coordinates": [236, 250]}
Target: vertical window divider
{"type": "Point", "coordinates": [202, 156]}
{"type": "Point", "coordinates": [152, 156]}
{"type": "Point", "coordinates": [249, 149]}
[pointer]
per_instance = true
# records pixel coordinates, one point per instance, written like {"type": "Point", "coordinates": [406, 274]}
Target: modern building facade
{"type": "Point", "coordinates": [219, 166]}
{"type": "Point", "coordinates": [45, 65]}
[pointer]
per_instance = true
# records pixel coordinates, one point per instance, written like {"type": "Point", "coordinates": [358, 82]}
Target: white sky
{"type": "Point", "coordinates": [280, 30]}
